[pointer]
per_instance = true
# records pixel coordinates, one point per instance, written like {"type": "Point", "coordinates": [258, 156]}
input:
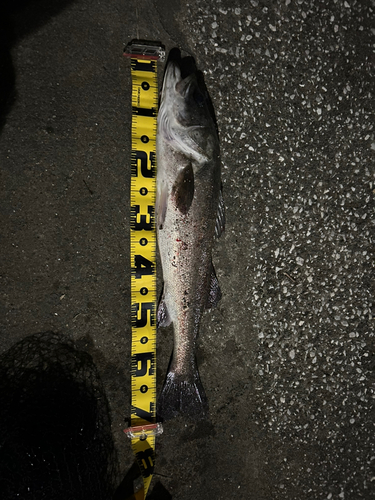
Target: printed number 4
{"type": "Point", "coordinates": [142, 266]}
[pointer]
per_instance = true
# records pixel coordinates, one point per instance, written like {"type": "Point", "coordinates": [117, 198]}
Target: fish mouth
{"type": "Point", "coordinates": [175, 83]}
{"type": "Point", "coordinates": [184, 105]}
{"type": "Point", "coordinates": [172, 77]}
{"type": "Point", "coordinates": [173, 71]}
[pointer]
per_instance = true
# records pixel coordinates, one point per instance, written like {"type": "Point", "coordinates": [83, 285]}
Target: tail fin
{"type": "Point", "coordinates": [182, 395]}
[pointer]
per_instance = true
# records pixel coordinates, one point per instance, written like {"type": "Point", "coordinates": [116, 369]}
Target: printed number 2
{"type": "Point", "coordinates": [142, 157]}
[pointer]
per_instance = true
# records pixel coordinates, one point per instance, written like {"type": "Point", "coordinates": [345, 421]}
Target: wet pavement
{"type": "Point", "coordinates": [287, 358]}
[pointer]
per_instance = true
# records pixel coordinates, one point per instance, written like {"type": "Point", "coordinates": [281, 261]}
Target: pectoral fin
{"type": "Point", "coordinates": [183, 189]}
{"type": "Point", "coordinates": [161, 206]}
{"type": "Point", "coordinates": [163, 318]}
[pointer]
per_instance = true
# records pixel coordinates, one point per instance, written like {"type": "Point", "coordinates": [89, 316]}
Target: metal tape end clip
{"type": "Point", "coordinates": [144, 49]}
{"type": "Point", "coordinates": [142, 432]}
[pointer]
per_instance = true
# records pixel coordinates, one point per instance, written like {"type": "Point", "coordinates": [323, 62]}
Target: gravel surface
{"type": "Point", "coordinates": [288, 357]}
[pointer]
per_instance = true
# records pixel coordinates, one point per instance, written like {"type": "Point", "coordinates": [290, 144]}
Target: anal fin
{"type": "Point", "coordinates": [162, 319]}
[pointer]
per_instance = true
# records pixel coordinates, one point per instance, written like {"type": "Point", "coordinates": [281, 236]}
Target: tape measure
{"type": "Point", "coordinates": [144, 56]}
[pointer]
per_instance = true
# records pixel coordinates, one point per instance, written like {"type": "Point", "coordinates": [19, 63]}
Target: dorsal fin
{"type": "Point", "coordinates": [220, 218]}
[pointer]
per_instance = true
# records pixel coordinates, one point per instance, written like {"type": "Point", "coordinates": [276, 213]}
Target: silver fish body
{"type": "Point", "coordinates": [189, 211]}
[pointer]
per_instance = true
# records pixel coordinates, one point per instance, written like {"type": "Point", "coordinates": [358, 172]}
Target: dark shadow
{"type": "Point", "coordinates": [55, 431]}
{"type": "Point", "coordinates": [127, 487]}
{"type": "Point", "coordinates": [55, 428]}
{"type": "Point", "coordinates": [132, 481]}
{"type": "Point", "coordinates": [159, 493]}
{"type": "Point", "coordinates": [18, 18]}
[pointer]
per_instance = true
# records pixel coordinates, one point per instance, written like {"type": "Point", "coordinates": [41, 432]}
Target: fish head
{"type": "Point", "coordinates": [184, 115]}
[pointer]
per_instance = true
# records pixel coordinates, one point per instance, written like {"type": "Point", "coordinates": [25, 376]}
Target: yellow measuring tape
{"type": "Point", "coordinates": [144, 56]}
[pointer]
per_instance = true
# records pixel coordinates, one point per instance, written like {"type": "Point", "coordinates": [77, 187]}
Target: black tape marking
{"type": "Point", "coordinates": [144, 111]}
{"type": "Point", "coordinates": [144, 414]}
{"type": "Point", "coordinates": [147, 458]}
{"type": "Point", "coordinates": [143, 66]}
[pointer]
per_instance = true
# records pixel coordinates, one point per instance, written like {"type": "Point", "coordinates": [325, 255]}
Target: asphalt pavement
{"type": "Point", "coordinates": [287, 359]}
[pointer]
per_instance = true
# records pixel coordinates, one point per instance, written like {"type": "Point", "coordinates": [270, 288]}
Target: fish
{"type": "Point", "coordinates": [189, 214]}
